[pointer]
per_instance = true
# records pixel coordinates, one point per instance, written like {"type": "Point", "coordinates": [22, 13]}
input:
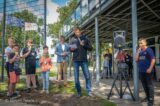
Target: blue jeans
{"type": "Point", "coordinates": [84, 66]}
{"type": "Point", "coordinates": [45, 77]}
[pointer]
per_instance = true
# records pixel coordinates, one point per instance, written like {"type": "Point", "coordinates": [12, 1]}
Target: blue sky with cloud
{"type": "Point", "coordinates": [60, 2]}
{"type": "Point", "coordinates": [35, 6]}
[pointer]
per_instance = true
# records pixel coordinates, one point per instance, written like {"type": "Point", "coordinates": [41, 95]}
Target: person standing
{"type": "Point", "coordinates": [128, 60]}
{"type": "Point", "coordinates": [8, 51]}
{"type": "Point", "coordinates": [105, 72]}
{"type": "Point", "coordinates": [14, 70]}
{"type": "Point", "coordinates": [29, 53]}
{"type": "Point", "coordinates": [108, 56]}
{"type": "Point", "coordinates": [94, 66]}
{"type": "Point", "coordinates": [79, 45]}
{"type": "Point", "coordinates": [146, 61]}
{"type": "Point", "coordinates": [46, 65]}
{"type": "Point", "coordinates": [62, 51]}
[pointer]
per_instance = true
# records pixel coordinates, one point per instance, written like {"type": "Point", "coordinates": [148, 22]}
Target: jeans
{"type": "Point", "coordinates": [84, 66]}
{"type": "Point", "coordinates": [105, 72]}
{"type": "Point", "coordinates": [45, 77]}
{"type": "Point", "coordinates": [147, 84]}
{"type": "Point", "coordinates": [110, 69]}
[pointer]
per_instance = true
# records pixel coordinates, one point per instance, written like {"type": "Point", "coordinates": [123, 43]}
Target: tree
{"type": "Point", "coordinates": [18, 33]}
{"type": "Point", "coordinates": [64, 13]}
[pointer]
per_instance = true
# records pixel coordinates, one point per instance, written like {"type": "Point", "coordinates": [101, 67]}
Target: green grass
{"type": "Point", "coordinates": [20, 85]}
{"type": "Point", "coordinates": [56, 90]}
{"type": "Point", "coordinates": [71, 90]}
{"type": "Point", "coordinates": [106, 103]}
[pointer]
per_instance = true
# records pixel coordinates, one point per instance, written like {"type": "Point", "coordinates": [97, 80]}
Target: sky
{"type": "Point", "coordinates": [35, 6]}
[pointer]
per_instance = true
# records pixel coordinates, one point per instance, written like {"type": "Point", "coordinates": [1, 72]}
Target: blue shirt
{"type": "Point", "coordinates": [59, 50]}
{"type": "Point", "coordinates": [145, 58]}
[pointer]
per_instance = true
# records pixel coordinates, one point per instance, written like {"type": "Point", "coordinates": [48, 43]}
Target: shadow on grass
{"type": "Point", "coordinates": [64, 96]}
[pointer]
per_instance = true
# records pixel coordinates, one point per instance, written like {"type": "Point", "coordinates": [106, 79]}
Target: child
{"type": "Point", "coordinates": [14, 70]}
{"type": "Point", "coordinates": [105, 73]}
{"type": "Point", "coordinates": [45, 64]}
{"type": "Point", "coordinates": [8, 50]}
{"type": "Point", "coordinates": [29, 53]}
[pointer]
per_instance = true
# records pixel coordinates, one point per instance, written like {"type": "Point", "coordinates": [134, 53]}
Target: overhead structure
{"type": "Point", "coordinates": [138, 18]}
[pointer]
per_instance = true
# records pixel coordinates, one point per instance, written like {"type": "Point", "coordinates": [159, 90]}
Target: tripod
{"type": "Point", "coordinates": [120, 76]}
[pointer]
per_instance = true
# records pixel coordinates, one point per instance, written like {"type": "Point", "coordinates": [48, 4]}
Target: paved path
{"type": "Point", "coordinates": [103, 89]}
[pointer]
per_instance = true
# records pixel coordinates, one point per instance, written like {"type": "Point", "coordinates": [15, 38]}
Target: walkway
{"type": "Point", "coordinates": [105, 86]}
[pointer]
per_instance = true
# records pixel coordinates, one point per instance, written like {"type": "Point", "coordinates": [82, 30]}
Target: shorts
{"type": "Point", "coordinates": [13, 77]}
{"type": "Point", "coordinates": [30, 69]}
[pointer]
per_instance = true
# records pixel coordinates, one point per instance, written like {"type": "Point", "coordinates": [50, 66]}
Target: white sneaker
{"type": "Point", "coordinates": [47, 91]}
{"type": "Point", "coordinates": [42, 91]}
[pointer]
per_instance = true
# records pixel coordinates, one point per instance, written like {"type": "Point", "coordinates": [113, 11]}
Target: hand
{"type": "Point", "coordinates": [30, 48]}
{"type": "Point", "coordinates": [65, 53]}
{"type": "Point", "coordinates": [149, 70]}
{"type": "Point", "coordinates": [73, 49]}
{"type": "Point", "coordinates": [138, 50]}
{"type": "Point", "coordinates": [16, 53]}
{"type": "Point", "coordinates": [82, 43]}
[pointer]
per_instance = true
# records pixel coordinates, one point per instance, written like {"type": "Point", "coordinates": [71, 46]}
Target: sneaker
{"type": "Point", "coordinates": [42, 91]}
{"type": "Point", "coordinates": [15, 94]}
{"type": "Point", "coordinates": [65, 85]}
{"type": "Point", "coordinates": [150, 104]}
{"type": "Point", "coordinates": [78, 95]}
{"type": "Point", "coordinates": [28, 90]}
{"type": "Point", "coordinates": [90, 94]}
{"type": "Point", "coordinates": [144, 100]}
{"type": "Point", "coordinates": [47, 91]}
{"type": "Point", "coordinates": [8, 94]}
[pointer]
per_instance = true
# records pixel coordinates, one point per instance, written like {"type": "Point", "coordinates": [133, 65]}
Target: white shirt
{"type": "Point", "coordinates": [63, 47]}
{"type": "Point", "coordinates": [8, 50]}
{"type": "Point", "coordinates": [106, 62]}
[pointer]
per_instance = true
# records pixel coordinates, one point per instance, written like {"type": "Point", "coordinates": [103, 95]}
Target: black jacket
{"type": "Point", "coordinates": [80, 54]}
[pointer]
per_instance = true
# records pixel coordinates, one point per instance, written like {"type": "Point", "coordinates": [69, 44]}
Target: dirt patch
{"type": "Point", "coordinates": [36, 98]}
{"type": "Point", "coordinates": [63, 96]}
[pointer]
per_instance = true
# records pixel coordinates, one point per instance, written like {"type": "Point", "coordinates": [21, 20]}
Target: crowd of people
{"type": "Point", "coordinates": [79, 45]}
{"type": "Point", "coordinates": [122, 56]}
{"type": "Point", "coordinates": [29, 54]}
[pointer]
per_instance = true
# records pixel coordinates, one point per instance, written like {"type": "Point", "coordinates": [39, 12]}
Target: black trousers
{"type": "Point", "coordinates": [147, 84]}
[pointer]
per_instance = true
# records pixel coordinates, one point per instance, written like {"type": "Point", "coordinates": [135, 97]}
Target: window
{"type": "Point", "coordinates": [93, 4]}
{"type": "Point", "coordinates": [84, 5]}
{"type": "Point", "coordinates": [78, 14]}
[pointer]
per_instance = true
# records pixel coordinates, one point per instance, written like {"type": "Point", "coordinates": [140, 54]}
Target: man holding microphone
{"type": "Point", "coordinates": [146, 61]}
{"type": "Point", "coordinates": [79, 45]}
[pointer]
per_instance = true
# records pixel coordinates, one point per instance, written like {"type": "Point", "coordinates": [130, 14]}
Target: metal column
{"type": "Point", "coordinates": [97, 51]}
{"type": "Point", "coordinates": [134, 43]}
{"type": "Point", "coordinates": [45, 21]}
{"type": "Point", "coordinates": [3, 38]}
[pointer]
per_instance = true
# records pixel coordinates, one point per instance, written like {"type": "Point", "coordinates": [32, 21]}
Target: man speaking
{"type": "Point", "coordinates": [79, 45]}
